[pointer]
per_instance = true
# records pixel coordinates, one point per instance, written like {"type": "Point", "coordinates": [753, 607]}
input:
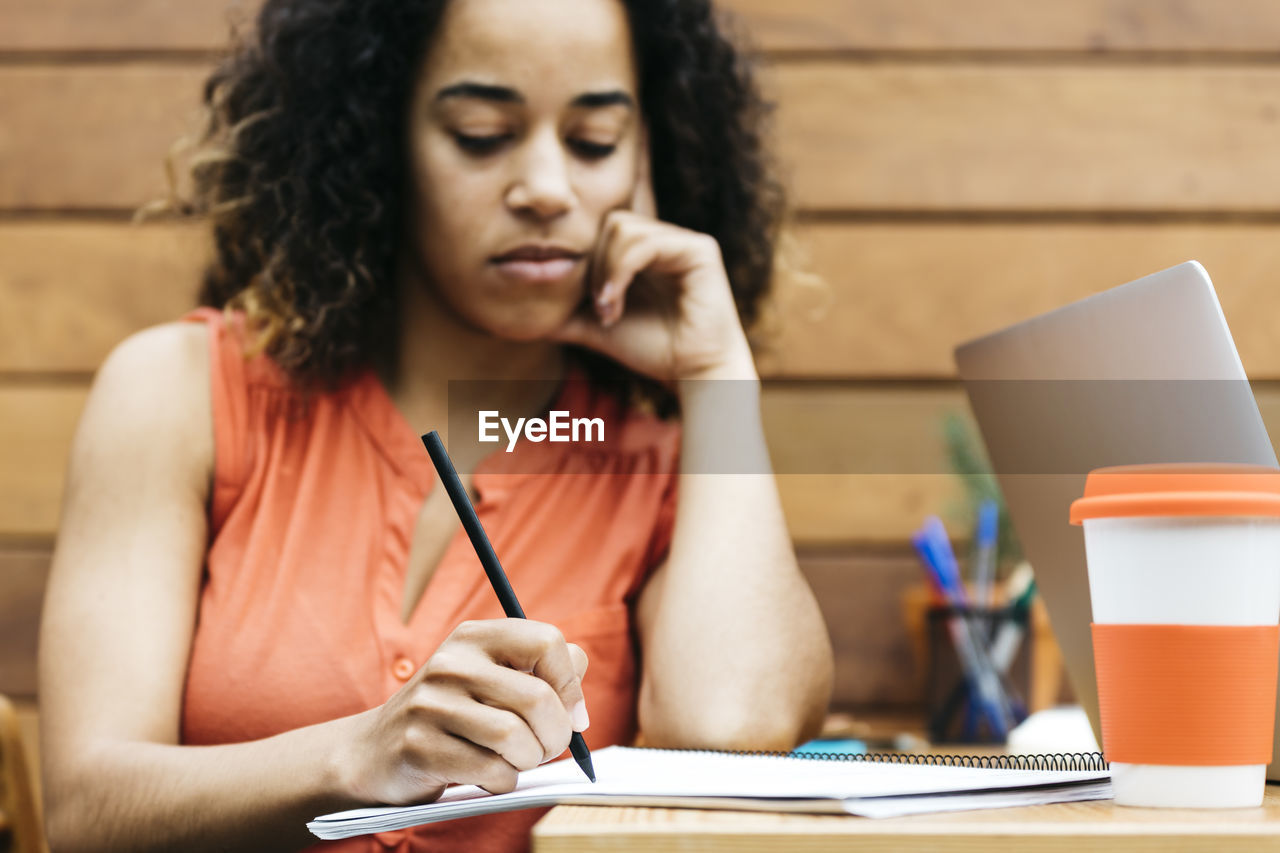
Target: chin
{"type": "Point", "coordinates": [534, 323]}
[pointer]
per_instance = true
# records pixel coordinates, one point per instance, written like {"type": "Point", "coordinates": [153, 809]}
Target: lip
{"type": "Point", "coordinates": [537, 252]}
{"type": "Point", "coordinates": [537, 262]}
{"type": "Point", "coordinates": [536, 271]}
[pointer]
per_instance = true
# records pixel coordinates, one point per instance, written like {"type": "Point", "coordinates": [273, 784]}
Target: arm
{"type": "Point", "coordinates": [736, 654]}
{"type": "Point", "coordinates": [117, 626]}
{"type": "Point", "coordinates": [119, 616]}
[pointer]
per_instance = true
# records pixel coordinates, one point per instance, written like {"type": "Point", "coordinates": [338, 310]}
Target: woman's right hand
{"type": "Point", "coordinates": [497, 697]}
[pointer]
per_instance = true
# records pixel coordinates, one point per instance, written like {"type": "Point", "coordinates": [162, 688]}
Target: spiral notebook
{"type": "Point", "coordinates": [886, 785]}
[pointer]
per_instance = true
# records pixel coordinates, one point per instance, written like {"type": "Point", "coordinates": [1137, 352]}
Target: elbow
{"type": "Point", "coordinates": [738, 726]}
{"type": "Point", "coordinates": [68, 816]}
{"type": "Point", "coordinates": [725, 731]}
{"type": "Point", "coordinates": [63, 825]}
{"type": "Point", "coordinates": [818, 702]}
{"type": "Point", "coordinates": [776, 715]}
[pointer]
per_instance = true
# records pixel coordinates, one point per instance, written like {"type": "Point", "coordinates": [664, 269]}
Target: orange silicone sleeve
{"type": "Point", "coordinates": [1201, 695]}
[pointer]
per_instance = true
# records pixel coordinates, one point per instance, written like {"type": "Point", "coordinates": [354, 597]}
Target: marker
{"type": "Point", "coordinates": [970, 643]}
{"type": "Point", "coordinates": [1004, 648]}
{"type": "Point", "coordinates": [984, 555]}
{"type": "Point", "coordinates": [986, 694]}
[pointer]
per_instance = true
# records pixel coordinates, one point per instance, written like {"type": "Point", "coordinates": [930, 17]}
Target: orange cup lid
{"type": "Point", "coordinates": [1125, 491]}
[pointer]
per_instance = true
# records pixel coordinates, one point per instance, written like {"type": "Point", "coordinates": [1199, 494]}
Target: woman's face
{"type": "Point", "coordinates": [523, 135]}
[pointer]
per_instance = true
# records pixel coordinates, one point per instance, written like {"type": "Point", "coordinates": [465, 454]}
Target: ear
{"type": "Point", "coordinates": [642, 198]}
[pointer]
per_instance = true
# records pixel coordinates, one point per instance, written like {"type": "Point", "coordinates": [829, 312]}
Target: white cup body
{"type": "Point", "coordinates": [1185, 571]}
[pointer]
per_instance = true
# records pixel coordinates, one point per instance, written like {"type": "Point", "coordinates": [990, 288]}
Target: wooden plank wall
{"type": "Point", "coordinates": [955, 167]}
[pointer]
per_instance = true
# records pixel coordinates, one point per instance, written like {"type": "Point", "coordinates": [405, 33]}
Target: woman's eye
{"type": "Point", "coordinates": [591, 150]}
{"type": "Point", "coordinates": [480, 144]}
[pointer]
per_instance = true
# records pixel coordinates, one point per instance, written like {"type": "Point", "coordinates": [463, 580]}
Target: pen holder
{"type": "Point", "coordinates": [953, 701]}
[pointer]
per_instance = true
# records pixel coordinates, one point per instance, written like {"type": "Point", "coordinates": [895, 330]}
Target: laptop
{"type": "Point", "coordinates": [1145, 372]}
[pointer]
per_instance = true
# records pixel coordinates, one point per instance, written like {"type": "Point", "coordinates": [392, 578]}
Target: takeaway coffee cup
{"type": "Point", "coordinates": [1184, 574]}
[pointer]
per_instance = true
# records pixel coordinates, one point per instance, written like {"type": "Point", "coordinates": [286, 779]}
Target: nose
{"type": "Point", "coordinates": [540, 186]}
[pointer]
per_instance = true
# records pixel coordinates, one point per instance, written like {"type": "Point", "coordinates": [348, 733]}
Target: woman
{"type": "Point", "coordinates": [260, 608]}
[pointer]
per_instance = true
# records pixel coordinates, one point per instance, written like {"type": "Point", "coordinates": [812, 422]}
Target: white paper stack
{"type": "Point", "coordinates": [656, 777]}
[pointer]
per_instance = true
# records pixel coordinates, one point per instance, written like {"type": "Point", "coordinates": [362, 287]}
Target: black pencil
{"type": "Point", "coordinates": [489, 559]}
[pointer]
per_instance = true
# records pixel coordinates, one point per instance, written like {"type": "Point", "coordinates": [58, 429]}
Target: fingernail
{"type": "Point", "coordinates": [606, 293]}
{"type": "Point", "coordinates": [581, 722]}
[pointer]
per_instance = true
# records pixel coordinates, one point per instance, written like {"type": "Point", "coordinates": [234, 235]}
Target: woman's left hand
{"type": "Point", "coordinates": [660, 298]}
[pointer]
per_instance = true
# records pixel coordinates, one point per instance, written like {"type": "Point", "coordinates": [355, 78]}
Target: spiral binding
{"type": "Point", "coordinates": [1058, 761]}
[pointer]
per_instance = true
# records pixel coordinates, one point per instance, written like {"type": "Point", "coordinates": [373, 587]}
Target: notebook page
{"type": "Point", "coordinates": [637, 774]}
{"type": "Point", "coordinates": [881, 807]}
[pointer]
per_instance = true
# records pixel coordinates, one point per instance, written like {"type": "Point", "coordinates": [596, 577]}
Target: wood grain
{"type": "Point", "coordinates": [896, 298]}
{"type": "Point", "coordinates": [1100, 827]}
{"type": "Point", "coordinates": [1010, 25]}
{"type": "Point", "coordinates": [906, 25]}
{"type": "Point", "coordinates": [36, 427]}
{"type": "Point", "coordinates": [862, 596]}
{"type": "Point", "coordinates": [29, 723]}
{"type": "Point", "coordinates": [884, 136]}
{"type": "Point", "coordinates": [82, 136]}
{"type": "Point", "coordinates": [23, 575]}
{"type": "Point", "coordinates": [983, 137]}
{"type": "Point", "coordinates": [73, 290]}
{"type": "Point", "coordinates": [119, 25]}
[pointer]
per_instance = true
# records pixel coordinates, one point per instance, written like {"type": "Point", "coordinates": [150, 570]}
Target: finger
{"type": "Point", "coordinates": [530, 698]}
{"type": "Point", "coordinates": [643, 201]}
{"type": "Point", "coordinates": [598, 267]}
{"type": "Point", "coordinates": [629, 262]}
{"type": "Point", "coordinates": [496, 729]}
{"type": "Point", "coordinates": [434, 758]}
{"type": "Point", "coordinates": [619, 228]}
{"type": "Point", "coordinates": [538, 648]}
{"type": "Point", "coordinates": [623, 230]}
{"type": "Point", "coordinates": [464, 762]}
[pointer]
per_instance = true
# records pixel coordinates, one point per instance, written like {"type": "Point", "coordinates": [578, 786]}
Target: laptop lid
{"type": "Point", "coordinates": [1145, 372]}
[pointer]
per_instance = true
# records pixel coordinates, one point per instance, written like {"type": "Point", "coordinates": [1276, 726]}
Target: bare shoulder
{"type": "Point", "coordinates": [131, 541]}
{"type": "Point", "coordinates": [152, 396]}
{"type": "Point", "coordinates": [160, 351]}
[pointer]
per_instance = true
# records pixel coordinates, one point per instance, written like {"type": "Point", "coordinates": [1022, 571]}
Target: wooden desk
{"type": "Point", "coordinates": [1095, 827]}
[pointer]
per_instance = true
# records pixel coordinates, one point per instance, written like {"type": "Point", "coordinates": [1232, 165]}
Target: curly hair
{"type": "Point", "coordinates": [302, 168]}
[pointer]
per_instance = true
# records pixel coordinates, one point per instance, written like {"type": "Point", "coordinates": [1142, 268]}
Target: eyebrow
{"type": "Point", "coordinates": [507, 95]}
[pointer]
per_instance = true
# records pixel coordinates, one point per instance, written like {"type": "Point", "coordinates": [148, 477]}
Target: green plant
{"type": "Point", "coordinates": [969, 462]}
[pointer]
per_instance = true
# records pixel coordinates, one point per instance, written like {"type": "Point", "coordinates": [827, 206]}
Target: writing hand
{"type": "Point", "coordinates": [499, 696]}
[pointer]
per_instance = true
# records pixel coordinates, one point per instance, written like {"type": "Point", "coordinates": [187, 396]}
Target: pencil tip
{"type": "Point", "coordinates": [582, 755]}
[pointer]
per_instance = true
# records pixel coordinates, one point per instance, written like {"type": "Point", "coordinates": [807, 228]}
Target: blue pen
{"type": "Point", "coordinates": [948, 566]}
{"type": "Point", "coordinates": [988, 681]}
{"type": "Point", "coordinates": [984, 556]}
{"type": "Point", "coordinates": [961, 638]}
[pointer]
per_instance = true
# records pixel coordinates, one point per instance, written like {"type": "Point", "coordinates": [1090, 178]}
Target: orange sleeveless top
{"type": "Point", "coordinates": [310, 520]}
